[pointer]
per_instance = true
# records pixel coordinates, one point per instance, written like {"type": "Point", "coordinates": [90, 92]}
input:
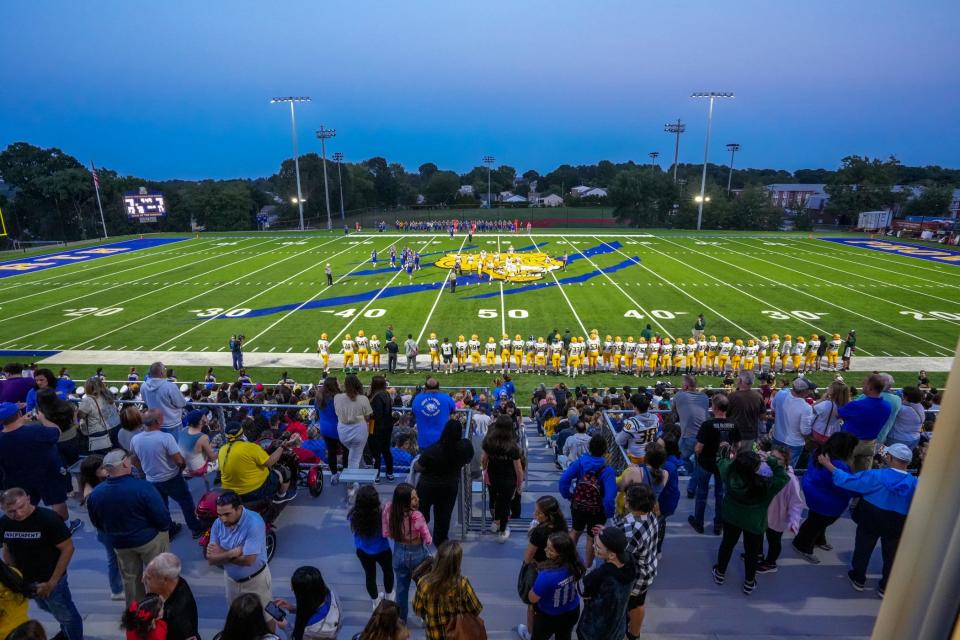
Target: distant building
{"type": "Point", "coordinates": [514, 199]}
{"type": "Point", "coordinates": [579, 190]}
{"type": "Point", "coordinates": [465, 190]}
{"type": "Point", "coordinates": [583, 191]}
{"type": "Point", "coordinates": [549, 200]}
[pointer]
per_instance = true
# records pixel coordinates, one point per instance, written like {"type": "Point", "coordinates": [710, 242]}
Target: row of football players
{"type": "Point", "coordinates": [612, 354]}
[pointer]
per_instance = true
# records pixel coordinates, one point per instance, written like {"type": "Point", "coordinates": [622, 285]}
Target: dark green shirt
{"type": "Point", "coordinates": [700, 325]}
{"type": "Point", "coordinates": [741, 509]}
{"type": "Point", "coordinates": [646, 334]}
{"type": "Point", "coordinates": [388, 335]}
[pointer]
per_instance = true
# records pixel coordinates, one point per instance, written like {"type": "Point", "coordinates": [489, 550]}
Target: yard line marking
{"type": "Point", "coordinates": [503, 312]}
{"type": "Point", "coordinates": [627, 295]}
{"type": "Point", "coordinates": [694, 298]}
{"type": "Point", "coordinates": [865, 252]}
{"type": "Point", "coordinates": [890, 355]}
{"type": "Point", "coordinates": [562, 292]}
{"type": "Point", "coordinates": [317, 295]}
{"type": "Point", "coordinates": [439, 293]}
{"type": "Point", "coordinates": [922, 353]}
{"type": "Point", "coordinates": [272, 349]}
{"type": "Point", "coordinates": [825, 266]}
{"type": "Point", "coordinates": [289, 349]}
{"type": "Point", "coordinates": [140, 348]}
{"type": "Point", "coordinates": [204, 349]}
{"type": "Point", "coordinates": [128, 300]}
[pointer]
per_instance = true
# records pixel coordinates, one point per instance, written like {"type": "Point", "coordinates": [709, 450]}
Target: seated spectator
{"type": "Point", "coordinates": [404, 449]}
{"type": "Point", "coordinates": [14, 599]}
{"type": "Point", "coordinates": [143, 619]}
{"type": "Point", "coordinates": [384, 624]}
{"type": "Point", "coordinates": [162, 577]}
{"type": "Point", "coordinates": [316, 606]}
{"type": "Point", "coordinates": [195, 445]}
{"type": "Point", "coordinates": [246, 621]}
{"type": "Point", "coordinates": [251, 472]}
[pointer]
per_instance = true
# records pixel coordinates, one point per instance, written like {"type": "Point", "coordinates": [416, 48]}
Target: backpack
{"type": "Point", "coordinates": [588, 495]}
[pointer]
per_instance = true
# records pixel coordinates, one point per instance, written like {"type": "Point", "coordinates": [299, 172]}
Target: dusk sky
{"type": "Point", "coordinates": [181, 89]}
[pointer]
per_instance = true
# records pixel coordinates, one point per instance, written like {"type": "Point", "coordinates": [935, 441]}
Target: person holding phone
{"type": "Point", "coordinates": [316, 606]}
{"type": "Point", "coordinates": [246, 620]}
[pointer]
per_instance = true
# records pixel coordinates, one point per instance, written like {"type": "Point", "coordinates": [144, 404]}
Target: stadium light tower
{"type": "Point", "coordinates": [733, 147]}
{"type": "Point", "coordinates": [488, 160]}
{"type": "Point", "coordinates": [653, 156]}
{"type": "Point", "coordinates": [296, 155]}
{"type": "Point", "coordinates": [712, 95]}
{"type": "Point", "coordinates": [324, 134]}
{"type": "Point", "coordinates": [675, 128]}
{"type": "Point", "coordinates": [338, 158]}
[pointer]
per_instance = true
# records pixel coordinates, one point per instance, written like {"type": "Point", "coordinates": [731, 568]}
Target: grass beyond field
{"type": "Point", "coordinates": [192, 295]}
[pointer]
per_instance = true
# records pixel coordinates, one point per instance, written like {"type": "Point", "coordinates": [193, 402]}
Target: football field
{"type": "Point", "coordinates": [189, 294]}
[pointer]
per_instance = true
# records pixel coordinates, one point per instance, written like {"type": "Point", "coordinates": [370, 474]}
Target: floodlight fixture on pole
{"type": "Point", "coordinates": [324, 133]}
{"type": "Point", "coordinates": [712, 96]}
{"type": "Point", "coordinates": [293, 132]}
{"type": "Point", "coordinates": [675, 128]}
{"type": "Point", "coordinates": [733, 147]}
{"type": "Point", "coordinates": [653, 156]}
{"type": "Point", "coordinates": [488, 160]}
{"type": "Point", "coordinates": [338, 158]}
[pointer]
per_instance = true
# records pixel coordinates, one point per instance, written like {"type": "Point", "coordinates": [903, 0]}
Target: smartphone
{"type": "Point", "coordinates": [275, 612]}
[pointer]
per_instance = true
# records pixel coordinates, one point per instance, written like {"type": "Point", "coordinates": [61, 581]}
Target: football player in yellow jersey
{"type": "Point", "coordinates": [348, 347]}
{"type": "Point", "coordinates": [653, 355]}
{"type": "Point", "coordinates": [666, 355]}
{"type": "Point", "coordinates": [474, 346]}
{"type": "Point", "coordinates": [434, 346]}
{"type": "Point", "coordinates": [593, 351]}
{"type": "Point", "coordinates": [505, 344]}
{"type": "Point", "coordinates": [679, 355]}
{"type": "Point", "coordinates": [617, 353]}
{"type": "Point", "coordinates": [490, 349]}
{"type": "Point", "coordinates": [762, 347]}
{"type": "Point", "coordinates": [641, 355]}
{"type": "Point", "coordinates": [362, 350]}
{"type": "Point", "coordinates": [785, 349]}
{"type": "Point", "coordinates": [575, 355]}
{"type": "Point", "coordinates": [691, 355]}
{"type": "Point", "coordinates": [540, 356]}
{"type": "Point", "coordinates": [556, 353]}
{"type": "Point", "coordinates": [607, 352]}
{"type": "Point", "coordinates": [518, 352]}
{"type": "Point", "coordinates": [736, 356]}
{"type": "Point", "coordinates": [774, 352]}
{"type": "Point", "coordinates": [811, 359]}
{"type": "Point", "coordinates": [461, 347]}
{"type": "Point", "coordinates": [375, 352]}
{"type": "Point", "coordinates": [750, 355]}
{"type": "Point", "coordinates": [798, 350]}
{"type": "Point", "coordinates": [529, 352]}
{"type": "Point", "coordinates": [629, 348]}
{"type": "Point", "coordinates": [723, 356]}
{"type": "Point", "coordinates": [712, 350]}
{"type": "Point", "coordinates": [701, 354]}
{"type": "Point", "coordinates": [833, 352]}
{"type": "Point", "coordinates": [323, 349]}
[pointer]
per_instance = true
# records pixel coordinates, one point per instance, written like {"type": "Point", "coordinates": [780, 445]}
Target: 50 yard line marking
{"type": "Point", "coordinates": [562, 292]}
{"type": "Point", "coordinates": [439, 293]}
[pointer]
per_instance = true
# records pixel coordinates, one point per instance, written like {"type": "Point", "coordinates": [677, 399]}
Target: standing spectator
{"type": "Point", "coordinates": [38, 544]}
{"type": "Point", "coordinates": [43, 379]}
{"type": "Point", "coordinates": [699, 326]}
{"type": "Point", "coordinates": [440, 466]}
{"type": "Point", "coordinates": [329, 271]}
{"type": "Point", "coordinates": [353, 409]}
{"type": "Point", "coordinates": [316, 606]}
{"type": "Point", "coordinates": [825, 501]}
{"type": "Point", "coordinates": [410, 350]}
{"type": "Point", "coordinates": [31, 461]}
{"type": "Point", "coordinates": [327, 416]}
{"type": "Point", "coordinates": [784, 513]}
{"type": "Point", "coordinates": [16, 386]}
{"type": "Point", "coordinates": [54, 411]}
{"type": "Point", "coordinates": [713, 432]}
{"type": "Point", "coordinates": [130, 513]}
{"type": "Point", "coordinates": [826, 412]}
{"type": "Point", "coordinates": [849, 347]}
{"type": "Point", "coordinates": [385, 624]}
{"type": "Point", "coordinates": [606, 589]}
{"type": "Point", "coordinates": [880, 513]}
{"type": "Point", "coordinates": [444, 593]}
{"type": "Point", "coordinates": [382, 406]}
{"type": "Point", "coordinates": [195, 446]}
{"type": "Point", "coordinates": [372, 547]}
{"type": "Point", "coordinates": [690, 406]}
{"type": "Point", "coordinates": [555, 597]}
{"type": "Point", "coordinates": [246, 620]}
{"type": "Point", "coordinates": [865, 418]}
{"type": "Point", "coordinates": [388, 334]}
{"type": "Point", "coordinates": [236, 352]}
{"type": "Point", "coordinates": [158, 455]}
{"type": "Point", "coordinates": [750, 486]}
{"type": "Point", "coordinates": [14, 599]}
{"type": "Point", "coordinates": [238, 544]}
{"type": "Point", "coordinates": [92, 473]}
{"type": "Point", "coordinates": [547, 519]}
{"type": "Point", "coordinates": [641, 527]}
{"type": "Point", "coordinates": [160, 393]}
{"type": "Point", "coordinates": [98, 416]}
{"type": "Point", "coordinates": [669, 497]}
{"type": "Point", "coordinates": [452, 281]}
{"type": "Point", "coordinates": [593, 500]}
{"type": "Point", "coordinates": [162, 577]}
{"type": "Point", "coordinates": [502, 472]}
{"type": "Point", "coordinates": [909, 420]}
{"type": "Point", "coordinates": [895, 403]}
{"type": "Point", "coordinates": [639, 429]}
{"type": "Point", "coordinates": [431, 408]}
{"type": "Point", "coordinates": [793, 417]}
{"type": "Point", "coordinates": [746, 408]}
{"type": "Point", "coordinates": [393, 349]}
{"type": "Point", "coordinates": [405, 525]}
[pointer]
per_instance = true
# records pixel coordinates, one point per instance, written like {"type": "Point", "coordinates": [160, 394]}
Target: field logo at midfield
{"type": "Point", "coordinates": [509, 267]}
{"type": "Point", "coordinates": [902, 248]}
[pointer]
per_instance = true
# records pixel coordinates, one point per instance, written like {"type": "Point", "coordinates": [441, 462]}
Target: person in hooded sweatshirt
{"type": "Point", "coordinates": [606, 589]}
{"type": "Point", "coordinates": [593, 497]}
{"type": "Point", "coordinates": [577, 444]}
{"type": "Point", "coordinates": [159, 393]}
{"type": "Point", "coordinates": [881, 512]}
{"type": "Point", "coordinates": [639, 429]}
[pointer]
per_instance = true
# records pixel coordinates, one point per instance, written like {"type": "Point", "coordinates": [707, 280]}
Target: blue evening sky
{"type": "Point", "coordinates": [181, 89]}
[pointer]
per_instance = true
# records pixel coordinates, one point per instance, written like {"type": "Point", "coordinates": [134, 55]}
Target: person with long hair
{"type": "Point", "coordinates": [439, 466]}
{"type": "Point", "coordinates": [353, 410]}
{"type": "Point", "coordinates": [327, 416]}
{"type": "Point", "coordinates": [385, 624]}
{"type": "Point", "coordinates": [443, 593]}
{"type": "Point", "coordinates": [555, 598]}
{"type": "Point", "coordinates": [54, 411]}
{"type": "Point", "coordinates": [405, 525]}
{"type": "Point", "coordinates": [826, 412]}
{"type": "Point", "coordinates": [649, 472]}
{"type": "Point", "coordinates": [98, 416]}
{"type": "Point", "coordinates": [29, 630]}
{"type": "Point", "coordinates": [14, 599]}
{"type": "Point", "coordinates": [131, 423]}
{"type": "Point", "coordinates": [143, 619]}
{"type": "Point", "coordinates": [669, 497]}
{"type": "Point", "coordinates": [42, 379]}
{"type": "Point", "coordinates": [246, 621]}
{"type": "Point", "coordinates": [750, 484]}
{"type": "Point", "coordinates": [382, 405]}
{"type": "Point", "coordinates": [372, 546]}
{"type": "Point", "coordinates": [548, 519]}
{"type": "Point", "coordinates": [316, 606]}
{"type": "Point", "coordinates": [909, 420]}
{"type": "Point", "coordinates": [826, 502]}
{"type": "Point", "coordinates": [502, 471]}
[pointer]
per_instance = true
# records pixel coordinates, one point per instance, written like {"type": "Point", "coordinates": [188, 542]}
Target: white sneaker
{"type": "Point", "coordinates": [503, 536]}
{"type": "Point", "coordinates": [392, 596]}
{"type": "Point", "coordinates": [377, 600]}
{"type": "Point", "coordinates": [523, 632]}
{"type": "Point", "coordinates": [117, 596]}
{"type": "Point", "coordinates": [494, 527]}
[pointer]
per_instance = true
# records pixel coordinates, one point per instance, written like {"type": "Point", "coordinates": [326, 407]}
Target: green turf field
{"type": "Point", "coordinates": [190, 296]}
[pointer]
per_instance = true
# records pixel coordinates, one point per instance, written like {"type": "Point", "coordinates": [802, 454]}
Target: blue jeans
{"type": "Point", "coordinates": [795, 451]}
{"type": "Point", "coordinates": [176, 488]}
{"type": "Point", "coordinates": [60, 605]}
{"type": "Point", "coordinates": [113, 567]}
{"type": "Point", "coordinates": [703, 491]}
{"type": "Point", "coordinates": [237, 360]}
{"type": "Point", "coordinates": [690, 461]}
{"type": "Point", "coordinates": [406, 558]}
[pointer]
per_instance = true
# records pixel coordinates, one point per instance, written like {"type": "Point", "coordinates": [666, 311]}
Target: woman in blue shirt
{"type": "Point", "coordinates": [372, 548]}
{"type": "Point", "coordinates": [669, 497]}
{"type": "Point", "coordinates": [327, 416]}
{"type": "Point", "coordinates": [556, 603]}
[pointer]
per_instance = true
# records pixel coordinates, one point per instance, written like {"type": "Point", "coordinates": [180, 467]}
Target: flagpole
{"type": "Point", "coordinates": [96, 187]}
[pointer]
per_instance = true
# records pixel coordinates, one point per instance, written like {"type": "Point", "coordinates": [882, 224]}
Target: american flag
{"type": "Point", "coordinates": [96, 178]}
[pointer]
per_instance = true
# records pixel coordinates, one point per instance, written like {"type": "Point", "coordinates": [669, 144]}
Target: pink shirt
{"type": "Point", "coordinates": [415, 529]}
{"type": "Point", "coordinates": [787, 506]}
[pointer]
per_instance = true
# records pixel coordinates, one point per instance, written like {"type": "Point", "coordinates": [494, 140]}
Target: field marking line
{"type": "Point", "coordinates": [203, 293]}
{"type": "Point", "coordinates": [656, 321]}
{"type": "Point", "coordinates": [766, 303]}
{"type": "Point", "coordinates": [825, 301]}
{"type": "Point", "coordinates": [866, 252]}
{"type": "Point", "coordinates": [836, 284]}
{"type": "Point", "coordinates": [317, 295]}
{"type": "Point", "coordinates": [439, 293]}
{"type": "Point", "coordinates": [240, 305]}
{"type": "Point", "coordinates": [503, 306]}
{"type": "Point", "coordinates": [684, 292]}
{"type": "Point", "coordinates": [128, 300]}
{"type": "Point", "coordinates": [563, 293]}
{"type": "Point", "coordinates": [371, 301]}
{"type": "Point", "coordinates": [119, 284]}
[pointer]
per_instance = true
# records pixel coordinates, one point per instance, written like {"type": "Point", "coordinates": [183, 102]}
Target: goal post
{"type": "Point", "coordinates": [3, 226]}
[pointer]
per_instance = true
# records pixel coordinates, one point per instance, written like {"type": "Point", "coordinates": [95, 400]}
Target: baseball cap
{"type": "Point", "coordinates": [801, 385]}
{"type": "Point", "coordinates": [614, 539]}
{"type": "Point", "coordinates": [195, 416]}
{"type": "Point", "coordinates": [8, 410]}
{"type": "Point", "coordinates": [900, 452]}
{"type": "Point", "coordinates": [233, 430]}
{"type": "Point", "coordinates": [114, 458]}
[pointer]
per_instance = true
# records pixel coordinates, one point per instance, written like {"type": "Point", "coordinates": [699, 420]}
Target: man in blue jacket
{"type": "Point", "coordinates": [594, 495]}
{"type": "Point", "coordinates": [865, 418]}
{"type": "Point", "coordinates": [881, 512]}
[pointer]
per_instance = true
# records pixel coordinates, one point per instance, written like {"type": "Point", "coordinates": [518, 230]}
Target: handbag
{"type": "Point", "coordinates": [465, 626]}
{"type": "Point", "coordinates": [98, 441]}
{"type": "Point", "coordinates": [525, 579]}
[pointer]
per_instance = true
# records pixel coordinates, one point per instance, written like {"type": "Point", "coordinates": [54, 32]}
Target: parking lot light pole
{"type": "Point", "coordinates": [653, 157]}
{"type": "Point", "coordinates": [296, 156]}
{"type": "Point", "coordinates": [712, 95]}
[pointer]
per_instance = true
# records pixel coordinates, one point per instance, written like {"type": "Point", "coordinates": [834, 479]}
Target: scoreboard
{"type": "Point", "coordinates": [144, 206]}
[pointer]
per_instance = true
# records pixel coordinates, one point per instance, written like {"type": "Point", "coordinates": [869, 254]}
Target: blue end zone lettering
{"type": "Point", "coordinates": [48, 261]}
{"type": "Point", "coordinates": [945, 256]}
